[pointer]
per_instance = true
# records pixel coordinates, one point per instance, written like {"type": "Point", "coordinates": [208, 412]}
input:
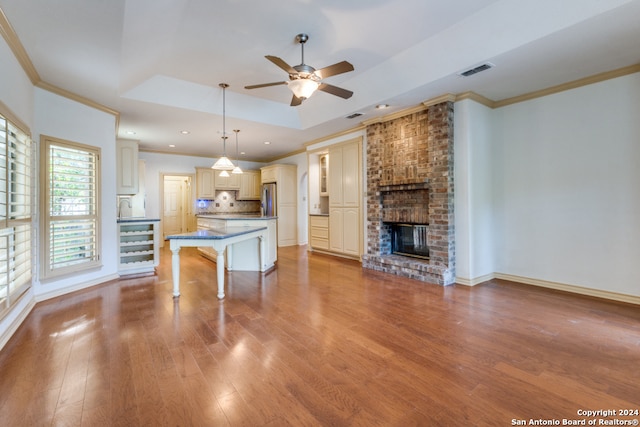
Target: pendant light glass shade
{"type": "Point", "coordinates": [223, 163]}
{"type": "Point", "coordinates": [224, 174]}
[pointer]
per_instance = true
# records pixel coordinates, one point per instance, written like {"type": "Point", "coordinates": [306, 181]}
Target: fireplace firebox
{"type": "Point", "coordinates": [410, 240]}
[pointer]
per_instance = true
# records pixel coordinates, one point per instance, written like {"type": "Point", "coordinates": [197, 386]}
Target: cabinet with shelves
{"type": "Point", "coordinates": [324, 175]}
{"type": "Point", "coordinates": [138, 243]}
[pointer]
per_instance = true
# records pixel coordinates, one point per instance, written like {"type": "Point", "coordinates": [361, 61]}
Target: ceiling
{"type": "Point", "coordinates": [159, 62]}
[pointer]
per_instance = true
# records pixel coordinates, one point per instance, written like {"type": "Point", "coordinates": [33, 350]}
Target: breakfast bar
{"type": "Point", "coordinates": [218, 239]}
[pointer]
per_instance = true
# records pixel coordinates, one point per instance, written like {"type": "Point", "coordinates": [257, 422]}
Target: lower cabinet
{"type": "Point", "coordinates": [138, 246]}
{"type": "Point", "coordinates": [344, 231]}
{"type": "Point", "coordinates": [244, 255]}
{"type": "Point", "coordinates": [319, 232]}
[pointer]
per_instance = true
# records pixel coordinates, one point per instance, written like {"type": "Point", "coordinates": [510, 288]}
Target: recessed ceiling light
{"type": "Point", "coordinates": [267, 143]}
{"type": "Point", "coordinates": [185, 132]}
{"type": "Point", "coordinates": [382, 106]}
{"type": "Point", "coordinates": [172, 146]}
{"type": "Point", "coordinates": [130, 132]}
{"type": "Point", "coordinates": [243, 153]}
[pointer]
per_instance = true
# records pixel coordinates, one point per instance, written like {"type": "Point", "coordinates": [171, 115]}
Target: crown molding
{"type": "Point", "coordinates": [10, 36]}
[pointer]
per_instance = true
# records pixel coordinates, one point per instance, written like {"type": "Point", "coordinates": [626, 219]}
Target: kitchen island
{"type": "Point", "coordinates": [246, 252]}
{"type": "Point", "coordinates": [221, 240]}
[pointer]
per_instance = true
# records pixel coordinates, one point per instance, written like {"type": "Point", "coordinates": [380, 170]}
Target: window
{"type": "Point", "coordinates": [71, 227]}
{"type": "Point", "coordinates": [16, 191]}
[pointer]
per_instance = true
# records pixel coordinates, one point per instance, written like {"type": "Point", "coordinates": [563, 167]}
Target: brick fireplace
{"type": "Point", "coordinates": [410, 180]}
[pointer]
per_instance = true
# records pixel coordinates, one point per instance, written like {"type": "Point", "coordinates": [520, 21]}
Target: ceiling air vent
{"type": "Point", "coordinates": [354, 115]}
{"type": "Point", "coordinates": [477, 69]}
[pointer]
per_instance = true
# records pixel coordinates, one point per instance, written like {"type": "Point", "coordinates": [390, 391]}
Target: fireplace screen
{"type": "Point", "coordinates": [410, 240]}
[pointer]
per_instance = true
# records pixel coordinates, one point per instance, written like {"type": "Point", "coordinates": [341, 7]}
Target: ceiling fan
{"type": "Point", "coordinates": [304, 80]}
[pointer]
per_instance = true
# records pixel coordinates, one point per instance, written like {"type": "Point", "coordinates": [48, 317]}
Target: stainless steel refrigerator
{"type": "Point", "coordinates": [269, 202]}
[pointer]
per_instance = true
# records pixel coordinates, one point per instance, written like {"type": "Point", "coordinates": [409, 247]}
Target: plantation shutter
{"type": "Point", "coordinates": [72, 207]}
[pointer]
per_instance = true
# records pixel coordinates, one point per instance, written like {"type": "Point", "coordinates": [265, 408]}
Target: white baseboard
{"type": "Point", "coordinates": [62, 291]}
{"type": "Point", "coordinates": [15, 324]}
{"type": "Point", "coordinates": [475, 280]}
{"type": "Point", "coordinates": [615, 296]}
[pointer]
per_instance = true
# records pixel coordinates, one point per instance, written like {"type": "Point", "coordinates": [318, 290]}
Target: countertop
{"type": "Point", "coordinates": [216, 234]}
{"type": "Point", "coordinates": [318, 214]}
{"type": "Point", "coordinates": [231, 216]}
{"type": "Point", "coordinates": [137, 219]}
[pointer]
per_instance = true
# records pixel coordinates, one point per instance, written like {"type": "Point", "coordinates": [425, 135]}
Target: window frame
{"type": "Point", "coordinates": [16, 216]}
{"type": "Point", "coordinates": [47, 220]}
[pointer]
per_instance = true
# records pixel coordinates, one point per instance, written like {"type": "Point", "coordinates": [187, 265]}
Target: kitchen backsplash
{"type": "Point", "coordinates": [225, 202]}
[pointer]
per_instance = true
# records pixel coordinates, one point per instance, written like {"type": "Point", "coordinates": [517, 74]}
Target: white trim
{"type": "Point", "coordinates": [77, 287]}
{"type": "Point", "coordinates": [475, 280]}
{"type": "Point", "coordinates": [631, 299]}
{"type": "Point", "coordinates": [15, 323]}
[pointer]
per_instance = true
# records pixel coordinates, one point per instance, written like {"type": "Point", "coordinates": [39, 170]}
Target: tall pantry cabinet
{"type": "Point", "coordinates": [345, 226]}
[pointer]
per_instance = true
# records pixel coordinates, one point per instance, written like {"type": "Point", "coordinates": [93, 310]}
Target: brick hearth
{"type": "Point", "coordinates": [410, 179]}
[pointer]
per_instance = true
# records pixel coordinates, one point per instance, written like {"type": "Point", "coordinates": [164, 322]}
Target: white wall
{"type": "Point", "coordinates": [69, 120]}
{"type": "Point", "coordinates": [474, 212]}
{"type": "Point", "coordinates": [565, 187]}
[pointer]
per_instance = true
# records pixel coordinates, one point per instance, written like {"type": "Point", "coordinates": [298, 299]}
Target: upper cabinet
{"type": "Point", "coordinates": [126, 167]}
{"type": "Point", "coordinates": [231, 182]}
{"type": "Point", "coordinates": [205, 183]}
{"type": "Point", "coordinates": [324, 174]}
{"type": "Point", "coordinates": [249, 186]}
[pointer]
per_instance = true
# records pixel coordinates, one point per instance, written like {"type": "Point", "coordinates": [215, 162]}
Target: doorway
{"type": "Point", "coordinates": [177, 206]}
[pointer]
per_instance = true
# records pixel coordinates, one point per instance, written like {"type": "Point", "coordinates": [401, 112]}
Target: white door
{"type": "Point", "coordinates": [173, 211]}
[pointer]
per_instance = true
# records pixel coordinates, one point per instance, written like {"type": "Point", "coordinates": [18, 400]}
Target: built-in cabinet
{"type": "Point", "coordinates": [245, 255]}
{"type": "Point", "coordinates": [126, 166]}
{"type": "Point", "coordinates": [231, 182]}
{"type": "Point", "coordinates": [208, 181]}
{"type": "Point", "coordinates": [138, 246]}
{"type": "Point", "coordinates": [344, 191]}
{"type": "Point", "coordinates": [285, 177]}
{"type": "Point", "coordinates": [324, 174]}
{"type": "Point", "coordinates": [249, 185]}
{"type": "Point", "coordinates": [319, 231]}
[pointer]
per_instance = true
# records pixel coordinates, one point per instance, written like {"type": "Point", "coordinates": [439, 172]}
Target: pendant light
{"type": "Point", "coordinates": [223, 163]}
{"type": "Point", "coordinates": [237, 169]}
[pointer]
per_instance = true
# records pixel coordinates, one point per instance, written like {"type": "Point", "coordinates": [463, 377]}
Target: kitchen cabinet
{"type": "Point", "coordinates": [345, 189]}
{"type": "Point", "coordinates": [231, 182]}
{"type": "Point", "coordinates": [138, 246]}
{"type": "Point", "coordinates": [249, 186]}
{"type": "Point", "coordinates": [126, 166]}
{"type": "Point", "coordinates": [319, 232]}
{"type": "Point", "coordinates": [205, 188]}
{"type": "Point", "coordinates": [324, 175]}
{"type": "Point", "coordinates": [247, 252]}
{"type": "Point", "coordinates": [286, 179]}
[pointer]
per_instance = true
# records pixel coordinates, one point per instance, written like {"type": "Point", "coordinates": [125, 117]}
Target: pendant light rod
{"type": "Point", "coordinates": [223, 163]}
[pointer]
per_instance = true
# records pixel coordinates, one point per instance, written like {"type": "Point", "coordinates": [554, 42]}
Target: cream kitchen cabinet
{"type": "Point", "coordinates": [126, 166]}
{"type": "Point", "coordinates": [345, 189]}
{"type": "Point", "coordinates": [231, 182]}
{"type": "Point", "coordinates": [205, 188]}
{"type": "Point", "coordinates": [319, 232]}
{"type": "Point", "coordinates": [249, 186]}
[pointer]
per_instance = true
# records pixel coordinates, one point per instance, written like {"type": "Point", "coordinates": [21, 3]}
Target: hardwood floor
{"type": "Point", "coordinates": [317, 341]}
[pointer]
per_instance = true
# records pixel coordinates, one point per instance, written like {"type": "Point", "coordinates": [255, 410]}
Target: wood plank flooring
{"type": "Point", "coordinates": [317, 342]}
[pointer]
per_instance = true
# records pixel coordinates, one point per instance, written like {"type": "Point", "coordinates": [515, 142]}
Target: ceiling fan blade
{"type": "Point", "coordinates": [265, 85]}
{"type": "Point", "coordinates": [332, 70]}
{"type": "Point", "coordinates": [295, 101]}
{"type": "Point", "coordinates": [280, 63]}
{"type": "Point", "coordinates": [335, 90]}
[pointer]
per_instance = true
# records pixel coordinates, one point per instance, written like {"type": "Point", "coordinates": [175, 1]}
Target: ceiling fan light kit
{"type": "Point", "coordinates": [304, 80]}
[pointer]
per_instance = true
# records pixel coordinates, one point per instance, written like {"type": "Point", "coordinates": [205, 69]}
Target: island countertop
{"type": "Point", "coordinates": [232, 217]}
{"type": "Point", "coordinates": [215, 234]}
